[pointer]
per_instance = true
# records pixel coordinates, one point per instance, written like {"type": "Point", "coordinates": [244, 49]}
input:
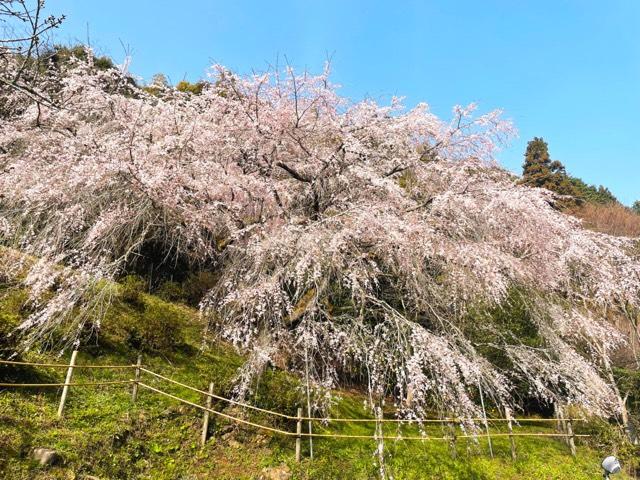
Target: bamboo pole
{"type": "Point", "coordinates": [306, 363]}
{"type": "Point", "coordinates": [484, 417]}
{"type": "Point", "coordinates": [571, 437]}
{"type": "Point", "coordinates": [379, 435]}
{"type": "Point", "coordinates": [134, 389]}
{"type": "Point", "coordinates": [205, 418]}
{"type": "Point", "coordinates": [299, 432]}
{"type": "Point", "coordinates": [65, 389]}
{"type": "Point", "coordinates": [512, 440]}
{"type": "Point", "coordinates": [563, 423]}
{"type": "Point", "coordinates": [452, 443]}
{"type": "Point", "coordinates": [310, 433]}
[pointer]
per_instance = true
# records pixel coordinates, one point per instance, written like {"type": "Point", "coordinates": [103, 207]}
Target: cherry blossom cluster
{"type": "Point", "coordinates": [351, 240]}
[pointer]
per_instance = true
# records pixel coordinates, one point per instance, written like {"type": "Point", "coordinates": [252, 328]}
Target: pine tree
{"type": "Point", "coordinates": [636, 207]}
{"type": "Point", "coordinates": [537, 163]}
{"type": "Point", "coordinates": [540, 171]}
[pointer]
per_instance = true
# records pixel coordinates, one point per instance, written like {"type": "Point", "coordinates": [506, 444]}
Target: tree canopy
{"type": "Point", "coordinates": [348, 240]}
{"type": "Point", "coordinates": [540, 171]}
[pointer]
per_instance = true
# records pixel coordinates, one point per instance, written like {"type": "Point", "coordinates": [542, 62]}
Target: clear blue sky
{"type": "Point", "coordinates": [566, 70]}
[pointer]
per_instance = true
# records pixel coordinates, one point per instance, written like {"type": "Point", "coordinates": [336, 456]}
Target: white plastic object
{"type": "Point", "coordinates": [611, 464]}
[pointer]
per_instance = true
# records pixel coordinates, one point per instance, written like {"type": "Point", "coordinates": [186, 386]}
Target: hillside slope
{"type": "Point", "coordinates": [103, 434]}
{"type": "Point", "coordinates": [328, 226]}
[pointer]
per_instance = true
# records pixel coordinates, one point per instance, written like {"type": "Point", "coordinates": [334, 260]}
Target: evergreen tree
{"type": "Point", "coordinates": [537, 163]}
{"type": "Point", "coordinates": [540, 171]}
{"type": "Point", "coordinates": [636, 207]}
{"type": "Point", "coordinates": [591, 193]}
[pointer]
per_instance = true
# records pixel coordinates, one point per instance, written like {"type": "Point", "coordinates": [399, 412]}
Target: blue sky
{"type": "Point", "coordinates": [566, 70]}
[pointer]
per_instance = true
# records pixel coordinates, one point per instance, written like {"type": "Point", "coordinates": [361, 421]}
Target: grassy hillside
{"type": "Point", "coordinates": [103, 434]}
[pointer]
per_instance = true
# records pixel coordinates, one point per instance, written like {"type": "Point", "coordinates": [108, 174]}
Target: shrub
{"type": "Point", "coordinates": [278, 391]}
{"type": "Point", "coordinates": [132, 289]}
{"type": "Point", "coordinates": [190, 291]}
{"type": "Point", "coordinates": [143, 322]}
{"type": "Point", "coordinates": [12, 303]}
{"type": "Point", "coordinates": [171, 291]}
{"type": "Point", "coordinates": [158, 329]}
{"type": "Point", "coordinates": [195, 88]}
{"type": "Point", "coordinates": [62, 55]}
{"type": "Point", "coordinates": [197, 285]}
{"type": "Point", "coordinates": [604, 438]}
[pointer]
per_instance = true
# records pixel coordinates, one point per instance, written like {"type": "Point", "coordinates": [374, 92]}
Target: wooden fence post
{"type": "Point", "coordinates": [65, 389]}
{"type": "Point", "coordinates": [572, 443]}
{"type": "Point", "coordinates": [452, 443]}
{"type": "Point", "coordinates": [563, 424]}
{"type": "Point", "coordinates": [512, 440]}
{"type": "Point", "coordinates": [484, 416]}
{"type": "Point", "coordinates": [556, 411]}
{"type": "Point", "coordinates": [205, 418]}
{"type": "Point", "coordinates": [134, 390]}
{"type": "Point", "coordinates": [299, 432]}
{"type": "Point", "coordinates": [310, 432]}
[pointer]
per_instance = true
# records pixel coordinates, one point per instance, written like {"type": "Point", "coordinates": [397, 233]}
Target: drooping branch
{"type": "Point", "coordinates": [378, 274]}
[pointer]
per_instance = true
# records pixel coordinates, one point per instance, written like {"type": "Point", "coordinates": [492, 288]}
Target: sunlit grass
{"type": "Point", "coordinates": [103, 433]}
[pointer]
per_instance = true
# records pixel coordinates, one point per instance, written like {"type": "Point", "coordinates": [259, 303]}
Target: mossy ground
{"type": "Point", "coordinates": [104, 434]}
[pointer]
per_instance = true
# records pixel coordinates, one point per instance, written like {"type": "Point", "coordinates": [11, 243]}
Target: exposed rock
{"type": "Point", "coordinates": [46, 456]}
{"type": "Point", "coordinates": [281, 472]}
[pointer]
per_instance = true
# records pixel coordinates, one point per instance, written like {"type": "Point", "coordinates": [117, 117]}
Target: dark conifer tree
{"type": "Point", "coordinates": [540, 171]}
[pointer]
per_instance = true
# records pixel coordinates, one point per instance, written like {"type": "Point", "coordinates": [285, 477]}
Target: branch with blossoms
{"type": "Point", "coordinates": [352, 242]}
{"type": "Point", "coordinates": [24, 27]}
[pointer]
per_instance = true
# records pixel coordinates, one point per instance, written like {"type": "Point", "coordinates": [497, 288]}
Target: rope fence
{"type": "Point", "coordinates": [62, 365]}
{"type": "Point", "coordinates": [83, 384]}
{"type": "Point", "coordinates": [217, 397]}
{"type": "Point", "coordinates": [216, 412]}
{"type": "Point", "coordinates": [563, 425]}
{"type": "Point", "coordinates": [346, 420]}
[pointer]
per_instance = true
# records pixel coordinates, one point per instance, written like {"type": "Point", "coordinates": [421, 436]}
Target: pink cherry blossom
{"type": "Point", "coordinates": [351, 240]}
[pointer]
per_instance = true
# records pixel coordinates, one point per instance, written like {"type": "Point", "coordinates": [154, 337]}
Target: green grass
{"type": "Point", "coordinates": [537, 458]}
{"type": "Point", "coordinates": [104, 434]}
